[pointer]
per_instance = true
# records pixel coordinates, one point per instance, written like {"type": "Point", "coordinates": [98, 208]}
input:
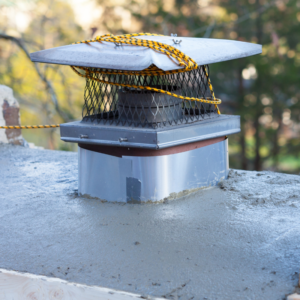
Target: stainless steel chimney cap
{"type": "Point", "coordinates": [127, 57]}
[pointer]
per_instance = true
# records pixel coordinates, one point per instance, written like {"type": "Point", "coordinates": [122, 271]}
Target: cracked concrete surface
{"type": "Point", "coordinates": [237, 241]}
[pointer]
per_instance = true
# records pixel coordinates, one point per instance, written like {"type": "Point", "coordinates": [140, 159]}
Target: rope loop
{"type": "Point", "coordinates": [177, 56]}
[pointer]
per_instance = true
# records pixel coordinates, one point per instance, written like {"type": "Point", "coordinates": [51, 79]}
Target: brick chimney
{"type": "Point", "coordinates": [9, 115]}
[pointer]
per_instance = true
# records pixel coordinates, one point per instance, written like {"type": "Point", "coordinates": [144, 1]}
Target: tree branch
{"type": "Point", "coordinates": [48, 84]}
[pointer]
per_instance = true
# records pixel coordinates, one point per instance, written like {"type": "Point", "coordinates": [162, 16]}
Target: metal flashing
{"type": "Point", "coordinates": [133, 190]}
{"type": "Point", "coordinates": [148, 138]}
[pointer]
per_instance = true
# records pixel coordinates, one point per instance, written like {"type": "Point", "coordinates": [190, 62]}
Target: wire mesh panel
{"type": "Point", "coordinates": [128, 106]}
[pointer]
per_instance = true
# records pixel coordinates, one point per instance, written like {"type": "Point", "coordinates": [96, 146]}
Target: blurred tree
{"type": "Point", "coordinates": [47, 93]}
{"type": "Point", "coordinates": [264, 90]}
{"type": "Point", "coordinates": [160, 16]}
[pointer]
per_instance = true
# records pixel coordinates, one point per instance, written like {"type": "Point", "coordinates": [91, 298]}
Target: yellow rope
{"type": "Point", "coordinates": [183, 60]}
{"type": "Point", "coordinates": [186, 62]}
{"type": "Point", "coordinates": [30, 126]}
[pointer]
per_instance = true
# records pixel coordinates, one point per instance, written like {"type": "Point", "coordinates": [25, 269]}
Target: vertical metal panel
{"type": "Point", "coordinates": [105, 176]}
{"type": "Point", "coordinates": [227, 157]}
{"type": "Point", "coordinates": [163, 175]}
{"type": "Point", "coordinates": [133, 190]}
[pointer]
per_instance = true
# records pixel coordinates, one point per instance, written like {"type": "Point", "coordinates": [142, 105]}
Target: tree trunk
{"type": "Point", "coordinates": [257, 160]}
{"type": "Point", "coordinates": [244, 161]}
{"type": "Point", "coordinates": [275, 151]}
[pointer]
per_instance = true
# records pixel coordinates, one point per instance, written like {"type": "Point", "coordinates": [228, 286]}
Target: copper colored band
{"type": "Point", "coordinates": [124, 151]}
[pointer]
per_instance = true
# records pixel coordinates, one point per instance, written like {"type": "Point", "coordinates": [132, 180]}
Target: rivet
{"type": "Point", "coordinates": [177, 41]}
{"type": "Point", "coordinates": [123, 140]}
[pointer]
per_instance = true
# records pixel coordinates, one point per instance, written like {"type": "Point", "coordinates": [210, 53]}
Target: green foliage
{"type": "Point", "coordinates": [53, 25]}
{"type": "Point", "coordinates": [264, 89]}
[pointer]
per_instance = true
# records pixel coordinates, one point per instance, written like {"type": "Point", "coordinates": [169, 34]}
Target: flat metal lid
{"type": "Point", "coordinates": [127, 57]}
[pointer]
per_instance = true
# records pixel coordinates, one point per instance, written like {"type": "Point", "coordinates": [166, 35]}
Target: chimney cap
{"type": "Point", "coordinates": [107, 55]}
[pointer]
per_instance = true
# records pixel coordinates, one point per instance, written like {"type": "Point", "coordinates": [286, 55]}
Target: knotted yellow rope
{"type": "Point", "coordinates": [186, 62]}
{"type": "Point", "coordinates": [30, 126]}
{"type": "Point", "coordinates": [183, 60]}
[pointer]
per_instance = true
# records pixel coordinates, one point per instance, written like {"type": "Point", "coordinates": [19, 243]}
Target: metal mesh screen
{"type": "Point", "coordinates": [123, 106]}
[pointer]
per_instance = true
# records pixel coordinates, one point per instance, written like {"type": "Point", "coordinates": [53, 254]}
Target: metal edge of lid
{"type": "Point", "coordinates": [77, 132]}
{"type": "Point", "coordinates": [102, 55]}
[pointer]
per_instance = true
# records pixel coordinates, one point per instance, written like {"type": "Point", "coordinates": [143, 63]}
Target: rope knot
{"type": "Point", "coordinates": [187, 63]}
